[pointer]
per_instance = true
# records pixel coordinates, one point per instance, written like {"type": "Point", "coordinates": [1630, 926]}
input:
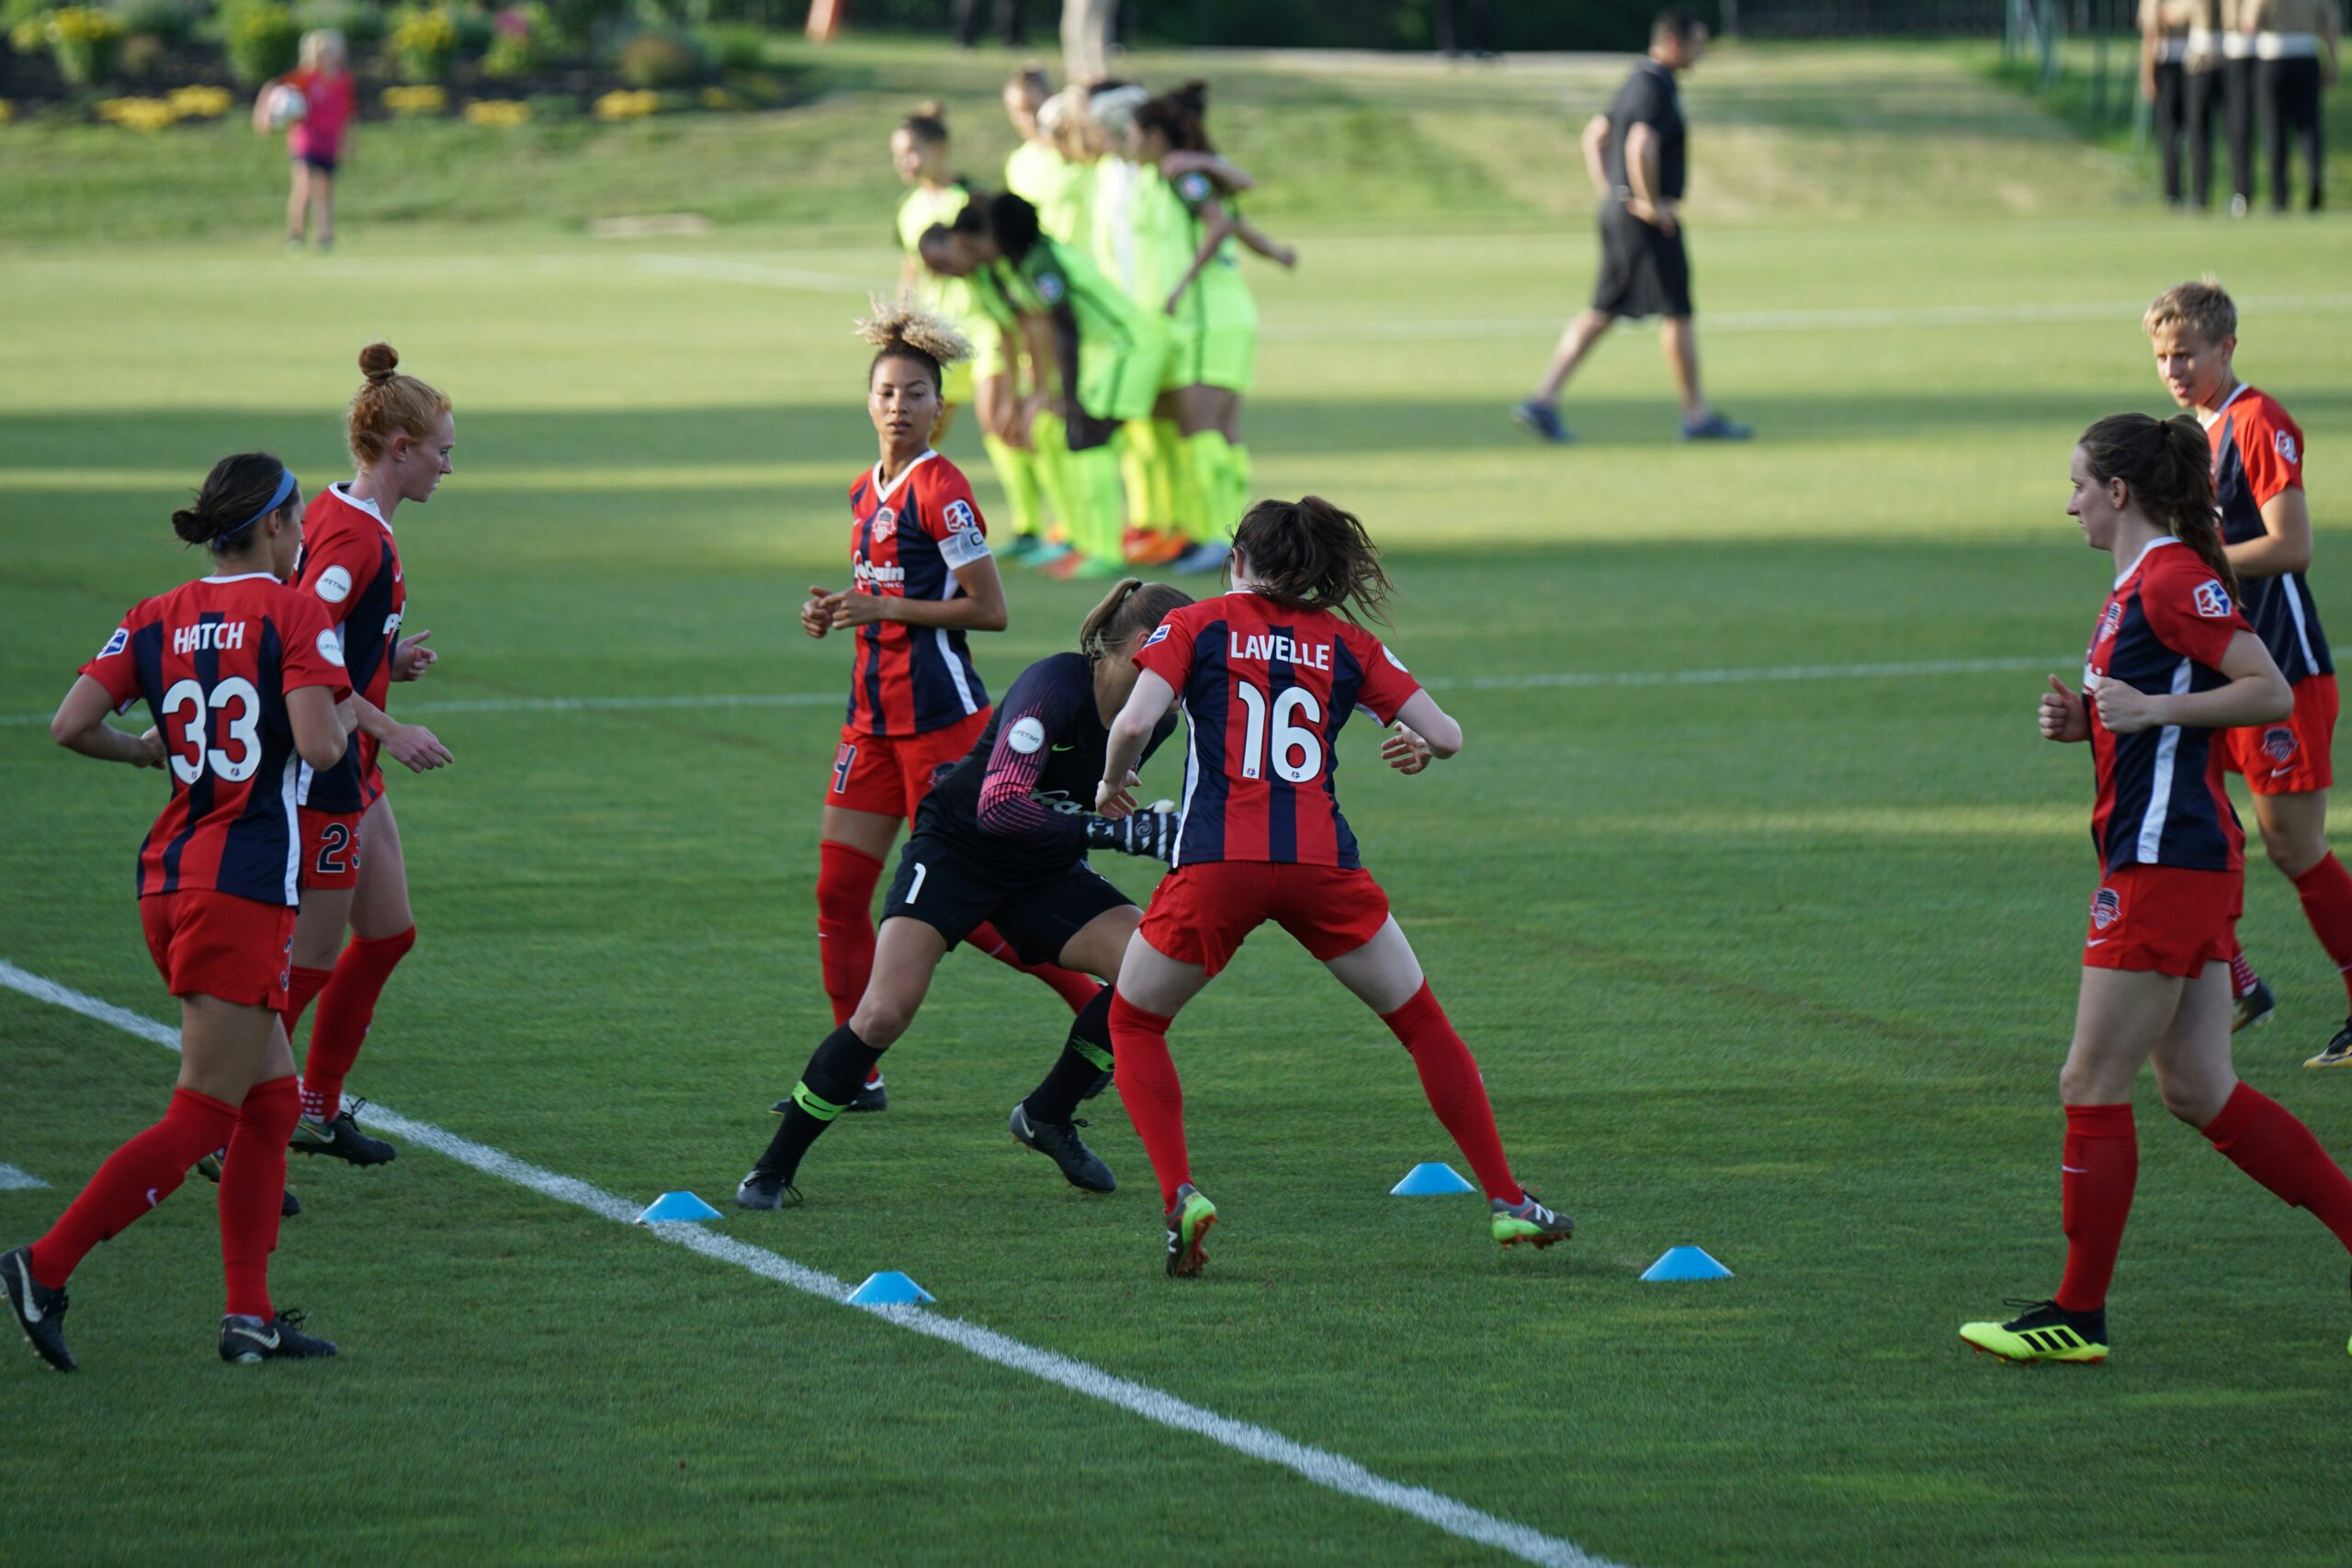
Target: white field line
{"type": "Point", "coordinates": [13, 1179]}
{"type": "Point", "coordinates": [1333, 1471]}
{"type": "Point", "coordinates": [1568, 679]}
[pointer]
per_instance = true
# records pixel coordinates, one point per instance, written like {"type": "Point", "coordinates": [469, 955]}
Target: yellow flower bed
{"type": "Point", "coordinates": [500, 112]}
{"type": "Point", "coordinates": [415, 100]}
{"type": "Point", "coordinates": [619, 105]}
{"type": "Point", "coordinates": [83, 24]}
{"type": "Point", "coordinates": [138, 114]}
{"type": "Point", "coordinates": [200, 103]}
{"type": "Point", "coordinates": [425, 32]}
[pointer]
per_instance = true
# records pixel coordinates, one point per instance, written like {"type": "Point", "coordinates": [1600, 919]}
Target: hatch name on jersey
{"type": "Point", "coordinates": [220, 637]}
{"type": "Point", "coordinates": [1273, 646]}
{"type": "Point", "coordinates": [868, 575]}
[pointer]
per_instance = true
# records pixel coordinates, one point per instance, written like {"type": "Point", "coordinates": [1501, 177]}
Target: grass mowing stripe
{"type": "Point", "coordinates": [723, 271]}
{"type": "Point", "coordinates": [1568, 679]}
{"type": "Point", "coordinates": [1333, 1471]}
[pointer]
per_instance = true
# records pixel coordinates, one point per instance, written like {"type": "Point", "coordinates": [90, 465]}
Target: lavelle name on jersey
{"type": "Point", "coordinates": [217, 636]}
{"type": "Point", "coordinates": [1274, 647]}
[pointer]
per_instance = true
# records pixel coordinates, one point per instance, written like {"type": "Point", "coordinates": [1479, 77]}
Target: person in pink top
{"type": "Point", "coordinates": [315, 103]}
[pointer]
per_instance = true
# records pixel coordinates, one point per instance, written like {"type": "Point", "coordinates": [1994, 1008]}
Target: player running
{"type": "Point", "coordinates": [2172, 661]}
{"type": "Point", "coordinates": [2267, 535]}
{"type": "Point", "coordinates": [242, 675]}
{"type": "Point", "coordinates": [921, 578]}
{"type": "Point", "coordinates": [400, 432]}
{"type": "Point", "coordinates": [1268, 675]}
{"type": "Point", "coordinates": [1000, 845]}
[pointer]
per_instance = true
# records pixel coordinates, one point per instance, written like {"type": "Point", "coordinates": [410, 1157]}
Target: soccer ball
{"type": "Point", "coordinates": [285, 106]}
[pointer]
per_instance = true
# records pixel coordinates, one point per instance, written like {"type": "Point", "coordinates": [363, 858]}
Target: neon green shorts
{"type": "Point", "coordinates": [1224, 357]}
{"type": "Point", "coordinates": [1122, 384]}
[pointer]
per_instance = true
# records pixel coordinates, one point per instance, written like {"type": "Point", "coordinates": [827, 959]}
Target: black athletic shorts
{"type": "Point", "coordinates": [944, 889]}
{"type": "Point", "coordinates": [1644, 270]}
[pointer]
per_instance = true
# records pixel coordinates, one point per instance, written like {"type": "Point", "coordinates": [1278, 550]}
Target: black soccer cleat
{"type": "Point", "coordinates": [869, 1096]}
{"type": "Point", "coordinates": [765, 1190]}
{"type": "Point", "coordinates": [41, 1312]}
{"type": "Point", "coordinates": [2252, 1009]}
{"type": "Point", "coordinates": [2044, 1331]}
{"type": "Point", "coordinates": [1059, 1142]}
{"type": "Point", "coordinates": [245, 1340]}
{"type": "Point", "coordinates": [2336, 1053]}
{"type": "Point", "coordinates": [341, 1139]}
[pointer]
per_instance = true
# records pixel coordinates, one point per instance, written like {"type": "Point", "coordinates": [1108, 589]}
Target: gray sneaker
{"type": "Point", "coordinates": [1716, 427]}
{"type": "Point", "coordinates": [1528, 1221]}
{"type": "Point", "coordinates": [1059, 1142]}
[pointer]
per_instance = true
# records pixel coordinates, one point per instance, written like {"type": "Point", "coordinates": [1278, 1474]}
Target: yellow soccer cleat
{"type": "Point", "coordinates": [2043, 1332]}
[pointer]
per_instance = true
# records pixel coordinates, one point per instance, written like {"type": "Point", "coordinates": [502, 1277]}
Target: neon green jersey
{"type": "Point", "coordinates": [1054, 185]}
{"type": "Point", "coordinates": [1051, 275]}
{"type": "Point", "coordinates": [925, 207]}
{"type": "Point", "coordinates": [1219, 297]}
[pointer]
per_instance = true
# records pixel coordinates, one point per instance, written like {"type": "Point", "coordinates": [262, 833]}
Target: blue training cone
{"type": "Point", "coordinates": [1685, 1263]}
{"type": "Point", "coordinates": [888, 1289]}
{"type": "Point", "coordinates": [675, 1206]}
{"type": "Point", "coordinates": [1432, 1179]}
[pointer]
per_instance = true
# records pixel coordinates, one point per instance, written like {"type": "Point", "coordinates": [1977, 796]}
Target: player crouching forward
{"type": "Point", "coordinates": [1267, 675]}
{"type": "Point", "coordinates": [2171, 662]}
{"type": "Point", "coordinates": [1002, 840]}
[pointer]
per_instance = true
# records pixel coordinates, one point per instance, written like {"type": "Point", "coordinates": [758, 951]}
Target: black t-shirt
{"type": "Point", "coordinates": [1017, 804]}
{"type": "Point", "coordinates": [1648, 97]}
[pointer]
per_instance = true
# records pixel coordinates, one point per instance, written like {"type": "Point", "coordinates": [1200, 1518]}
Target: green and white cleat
{"type": "Point", "coordinates": [1528, 1221]}
{"type": "Point", "coordinates": [1187, 1226]}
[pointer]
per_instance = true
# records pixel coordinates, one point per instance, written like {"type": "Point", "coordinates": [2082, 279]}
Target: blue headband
{"type": "Point", "coordinates": [286, 487]}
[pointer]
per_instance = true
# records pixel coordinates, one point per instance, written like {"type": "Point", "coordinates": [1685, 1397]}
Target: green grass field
{"type": "Point", "coordinates": [1782, 966]}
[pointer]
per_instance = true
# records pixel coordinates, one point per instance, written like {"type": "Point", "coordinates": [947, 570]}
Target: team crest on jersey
{"type": "Point", "coordinates": [2105, 908]}
{"type": "Point", "coordinates": [1158, 634]}
{"type": "Point", "coordinates": [885, 525]}
{"type": "Point", "coordinates": [2109, 624]}
{"type": "Point", "coordinates": [117, 643]}
{"type": "Point", "coordinates": [2213, 600]}
{"type": "Point", "coordinates": [959, 515]}
{"type": "Point", "coordinates": [2279, 743]}
{"type": "Point", "coordinates": [1194, 187]}
{"type": "Point", "coordinates": [2284, 444]}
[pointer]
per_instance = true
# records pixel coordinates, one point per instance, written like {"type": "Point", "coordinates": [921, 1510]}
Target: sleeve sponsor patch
{"type": "Point", "coordinates": [2283, 443]}
{"type": "Point", "coordinates": [2212, 601]}
{"type": "Point", "coordinates": [117, 643]}
{"type": "Point", "coordinates": [334, 585]}
{"type": "Point", "coordinates": [331, 647]}
{"type": "Point", "coordinates": [1390, 654]}
{"type": "Point", "coordinates": [1026, 736]}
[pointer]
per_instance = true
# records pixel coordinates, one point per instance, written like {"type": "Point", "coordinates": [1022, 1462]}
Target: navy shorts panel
{"type": "Point", "coordinates": [937, 885]}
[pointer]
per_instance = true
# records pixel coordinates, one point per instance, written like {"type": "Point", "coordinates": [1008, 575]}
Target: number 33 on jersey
{"type": "Point", "coordinates": [1265, 689]}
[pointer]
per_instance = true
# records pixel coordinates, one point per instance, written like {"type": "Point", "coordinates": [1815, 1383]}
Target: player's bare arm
{"type": "Point", "coordinates": [2286, 542]}
{"type": "Point", "coordinates": [1228, 178]}
{"type": "Point", "coordinates": [1214, 232]}
{"type": "Point", "coordinates": [81, 725]}
{"type": "Point", "coordinates": [2064, 716]}
{"type": "Point", "coordinates": [1595, 143]}
{"type": "Point", "coordinates": [1641, 177]}
{"type": "Point", "coordinates": [411, 659]}
{"type": "Point", "coordinates": [412, 746]}
{"type": "Point", "coordinates": [979, 608]}
{"type": "Point", "coordinates": [2256, 693]}
{"type": "Point", "coordinates": [1258, 240]}
{"type": "Point", "coordinates": [1130, 732]}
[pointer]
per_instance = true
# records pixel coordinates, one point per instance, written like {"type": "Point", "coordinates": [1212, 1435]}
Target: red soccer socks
{"type": "Point", "coordinates": [2098, 1168]}
{"type": "Point", "coordinates": [2327, 892]}
{"type": "Point", "coordinates": [347, 1007]}
{"type": "Point", "coordinates": [135, 1178]}
{"type": "Point", "coordinates": [845, 882]}
{"type": "Point", "coordinates": [1450, 1078]}
{"type": "Point", "coordinates": [1151, 1092]}
{"type": "Point", "coordinates": [2267, 1142]}
{"type": "Point", "coordinates": [253, 1180]}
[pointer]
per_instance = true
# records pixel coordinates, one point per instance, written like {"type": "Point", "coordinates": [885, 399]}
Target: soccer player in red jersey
{"type": "Point", "coordinates": [401, 432]}
{"type": "Point", "coordinates": [1267, 675]}
{"type": "Point", "coordinates": [2267, 534]}
{"type": "Point", "coordinates": [921, 578]}
{"type": "Point", "coordinates": [1002, 842]}
{"type": "Point", "coordinates": [2172, 664]}
{"type": "Point", "coordinates": [243, 676]}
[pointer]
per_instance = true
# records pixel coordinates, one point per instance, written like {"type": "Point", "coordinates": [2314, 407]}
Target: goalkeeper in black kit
{"type": "Point", "coordinates": [1003, 838]}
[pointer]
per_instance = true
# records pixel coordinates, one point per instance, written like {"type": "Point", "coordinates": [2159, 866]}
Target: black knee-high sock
{"type": "Point", "coordinates": [1086, 1057]}
{"type": "Point", "coordinates": [827, 1085]}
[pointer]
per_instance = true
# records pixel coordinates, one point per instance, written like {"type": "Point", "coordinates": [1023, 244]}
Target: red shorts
{"type": "Point", "coordinates": [2164, 918]}
{"type": "Point", "coordinates": [1201, 914]}
{"type": "Point", "coordinates": [217, 944]}
{"type": "Point", "coordinates": [889, 775]}
{"type": "Point", "coordinates": [2290, 757]}
{"type": "Point", "coordinates": [331, 848]}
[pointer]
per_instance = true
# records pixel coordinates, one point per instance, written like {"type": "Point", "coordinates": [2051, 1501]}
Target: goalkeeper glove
{"type": "Point", "coordinates": [1151, 834]}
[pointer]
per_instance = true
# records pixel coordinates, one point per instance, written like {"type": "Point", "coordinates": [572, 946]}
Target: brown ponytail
{"type": "Point", "coordinates": [1181, 116]}
{"type": "Point", "coordinates": [928, 124]}
{"type": "Point", "coordinates": [2167, 466]}
{"type": "Point", "coordinates": [389, 404]}
{"type": "Point", "coordinates": [236, 494]}
{"type": "Point", "coordinates": [1132, 608]}
{"type": "Point", "coordinates": [1310, 555]}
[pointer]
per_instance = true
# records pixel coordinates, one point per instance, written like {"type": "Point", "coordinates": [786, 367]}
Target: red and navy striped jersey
{"type": "Point", "coordinates": [907, 540]}
{"type": "Point", "coordinates": [2258, 452]}
{"type": "Point", "coordinates": [2161, 800]}
{"type": "Point", "coordinates": [1265, 689]}
{"type": "Point", "coordinates": [214, 660]}
{"type": "Point", "coordinates": [353, 568]}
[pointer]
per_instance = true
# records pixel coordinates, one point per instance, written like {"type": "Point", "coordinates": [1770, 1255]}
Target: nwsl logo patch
{"type": "Point", "coordinates": [2284, 444]}
{"type": "Point", "coordinates": [2279, 743]}
{"type": "Point", "coordinates": [2105, 908]}
{"type": "Point", "coordinates": [2212, 601]}
{"type": "Point", "coordinates": [117, 643]}
{"type": "Point", "coordinates": [1158, 634]}
{"type": "Point", "coordinates": [959, 515]}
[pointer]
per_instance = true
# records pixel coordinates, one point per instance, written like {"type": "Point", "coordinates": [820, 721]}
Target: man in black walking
{"type": "Point", "coordinates": [1637, 156]}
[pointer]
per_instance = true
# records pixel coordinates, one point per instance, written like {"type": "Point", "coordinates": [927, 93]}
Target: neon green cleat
{"type": "Point", "coordinates": [1528, 1221]}
{"type": "Point", "coordinates": [2043, 1332]}
{"type": "Point", "coordinates": [1187, 1226]}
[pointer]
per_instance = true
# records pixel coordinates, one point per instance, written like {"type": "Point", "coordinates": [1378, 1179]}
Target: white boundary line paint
{"type": "Point", "coordinates": [1568, 679]}
{"type": "Point", "coordinates": [14, 1179]}
{"type": "Point", "coordinates": [1333, 1471]}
